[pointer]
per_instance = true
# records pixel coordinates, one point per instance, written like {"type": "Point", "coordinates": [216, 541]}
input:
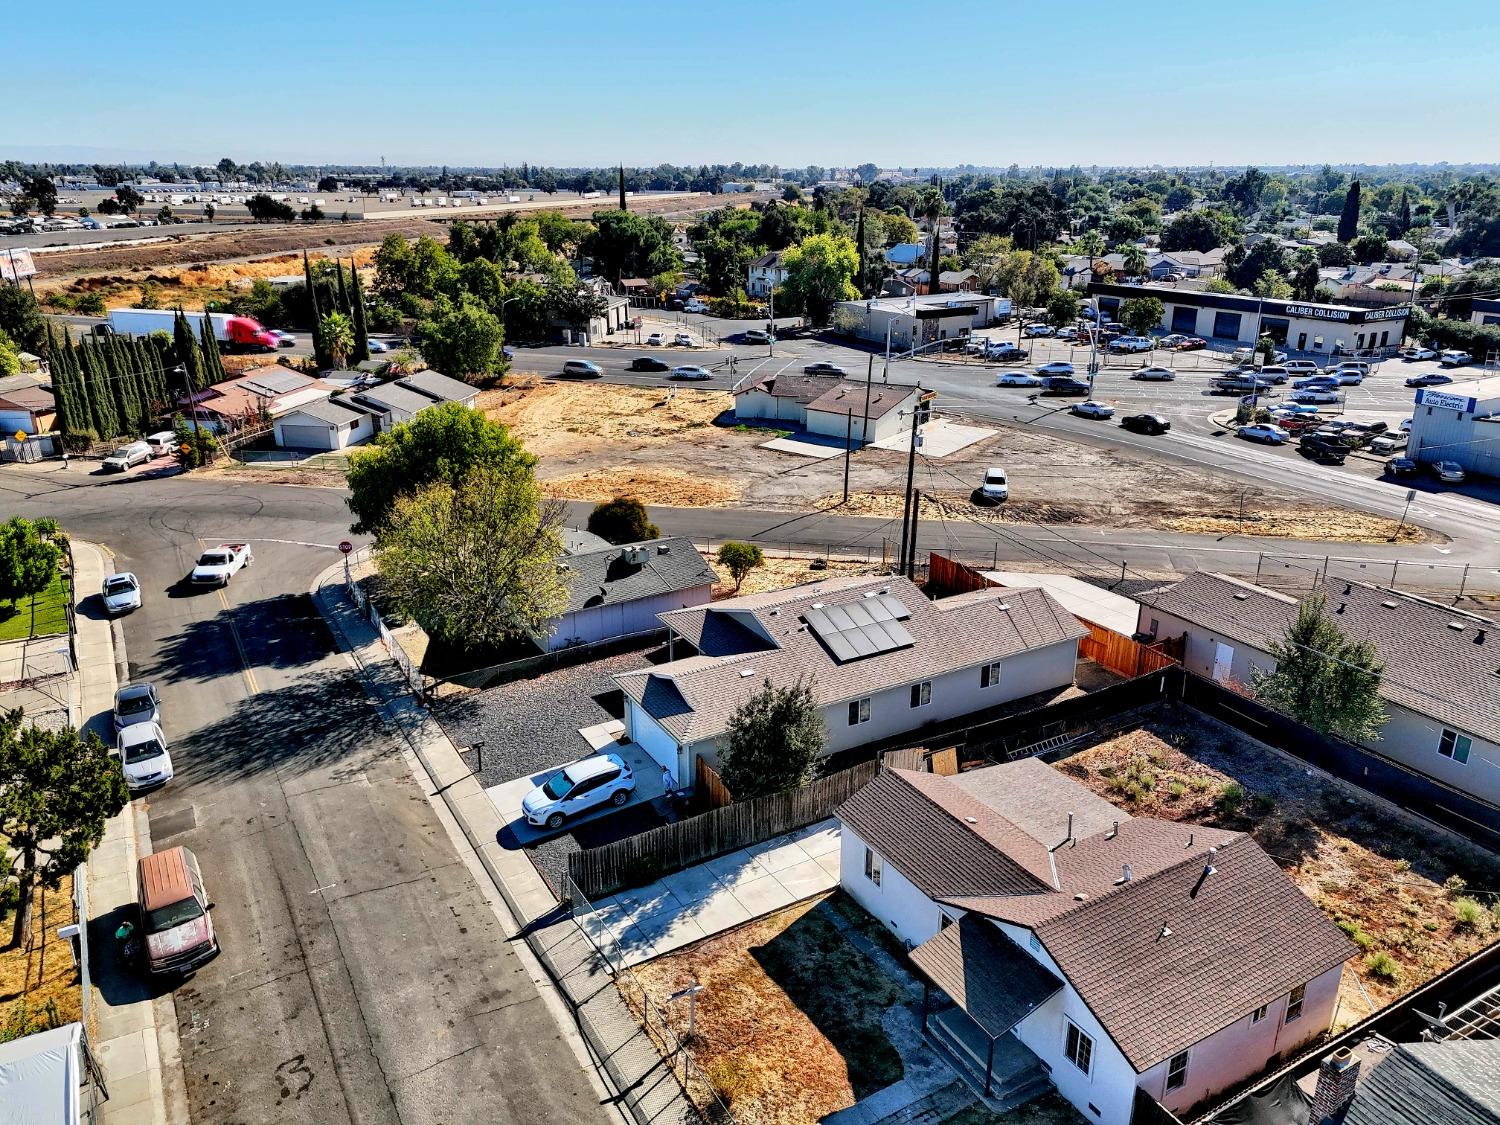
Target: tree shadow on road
{"type": "Point", "coordinates": [282, 632]}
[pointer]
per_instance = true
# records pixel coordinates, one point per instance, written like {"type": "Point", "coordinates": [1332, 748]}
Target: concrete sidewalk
{"type": "Point", "coordinates": [132, 1025]}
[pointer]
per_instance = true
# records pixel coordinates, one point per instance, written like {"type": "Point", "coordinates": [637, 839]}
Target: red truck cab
{"type": "Point", "coordinates": [246, 332]}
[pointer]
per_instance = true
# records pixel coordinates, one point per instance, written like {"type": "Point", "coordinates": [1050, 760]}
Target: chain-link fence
{"type": "Point", "coordinates": [366, 605]}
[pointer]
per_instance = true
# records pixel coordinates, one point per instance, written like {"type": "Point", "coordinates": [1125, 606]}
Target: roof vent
{"type": "Point", "coordinates": [818, 605]}
{"type": "Point", "coordinates": [664, 549]}
{"type": "Point", "coordinates": [1209, 868]}
{"type": "Point", "coordinates": [1479, 637]}
{"type": "Point", "coordinates": [1003, 607]}
{"type": "Point", "coordinates": [1080, 897]}
{"type": "Point", "coordinates": [971, 820]}
{"type": "Point", "coordinates": [1190, 838]}
{"type": "Point", "coordinates": [1242, 597]}
{"type": "Point", "coordinates": [1165, 932]}
{"type": "Point", "coordinates": [774, 611]}
{"type": "Point", "coordinates": [1456, 626]}
{"type": "Point", "coordinates": [1126, 875]}
{"type": "Point", "coordinates": [1389, 605]}
{"type": "Point", "coordinates": [746, 673]}
{"type": "Point", "coordinates": [1115, 830]}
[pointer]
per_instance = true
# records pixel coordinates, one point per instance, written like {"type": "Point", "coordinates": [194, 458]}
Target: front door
{"type": "Point", "coordinates": [1302, 341]}
{"type": "Point", "coordinates": [1223, 660]}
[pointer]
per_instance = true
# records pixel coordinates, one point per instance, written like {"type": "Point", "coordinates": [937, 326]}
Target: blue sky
{"type": "Point", "coordinates": [834, 83]}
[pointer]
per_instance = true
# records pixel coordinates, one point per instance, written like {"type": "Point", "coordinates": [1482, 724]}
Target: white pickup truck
{"type": "Point", "coordinates": [217, 565]}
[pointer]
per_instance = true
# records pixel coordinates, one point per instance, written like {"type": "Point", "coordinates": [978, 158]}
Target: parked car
{"type": "Point", "coordinates": [121, 593]}
{"type": "Point", "coordinates": [656, 340]}
{"type": "Point", "coordinates": [1360, 365]}
{"type": "Point", "coordinates": [1172, 341]}
{"type": "Point", "coordinates": [1316, 395]}
{"type": "Point", "coordinates": [1190, 344]}
{"type": "Point", "coordinates": [757, 336]}
{"type": "Point", "coordinates": [1145, 423]}
{"type": "Point", "coordinates": [175, 912]}
{"type": "Point", "coordinates": [691, 373]}
{"type": "Point", "coordinates": [1300, 366]}
{"type": "Point", "coordinates": [583, 368]}
{"type": "Point", "coordinates": [286, 339]}
{"type": "Point", "coordinates": [1017, 379]}
{"type": "Point", "coordinates": [1292, 408]}
{"type": "Point", "coordinates": [1092, 408]}
{"type": "Point", "coordinates": [127, 456]}
{"type": "Point", "coordinates": [1321, 449]}
{"type": "Point", "coordinates": [136, 703]}
{"type": "Point", "coordinates": [1315, 381]}
{"type": "Point", "coordinates": [1131, 344]}
{"type": "Point", "coordinates": [1036, 330]}
{"type": "Point", "coordinates": [577, 788]}
{"type": "Point", "coordinates": [649, 363]}
{"type": "Point", "coordinates": [163, 441]}
{"type": "Point", "coordinates": [1061, 386]}
{"type": "Point", "coordinates": [995, 487]}
{"type": "Point", "coordinates": [142, 749]}
{"type": "Point", "coordinates": [823, 368]}
{"type": "Point", "coordinates": [1264, 433]}
{"type": "Point", "coordinates": [1431, 379]}
{"type": "Point", "coordinates": [1416, 351]}
{"type": "Point", "coordinates": [1401, 467]}
{"type": "Point", "coordinates": [1454, 359]}
{"type": "Point", "coordinates": [1056, 367]}
{"type": "Point", "coordinates": [1277, 375]}
{"type": "Point", "coordinates": [682, 340]}
{"type": "Point", "coordinates": [1405, 426]}
{"type": "Point", "coordinates": [694, 306]}
{"type": "Point", "coordinates": [377, 347]}
{"type": "Point", "coordinates": [1388, 443]}
{"type": "Point", "coordinates": [1449, 472]}
{"type": "Point", "coordinates": [1004, 351]}
{"type": "Point", "coordinates": [1155, 374]}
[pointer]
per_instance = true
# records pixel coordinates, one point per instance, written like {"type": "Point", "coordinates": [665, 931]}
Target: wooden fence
{"type": "Point", "coordinates": [710, 789]}
{"type": "Point", "coordinates": [642, 859]}
{"type": "Point", "coordinates": [946, 576]}
{"type": "Point", "coordinates": [1121, 654]}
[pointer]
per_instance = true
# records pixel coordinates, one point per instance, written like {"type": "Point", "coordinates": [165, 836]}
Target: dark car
{"type": "Point", "coordinates": [1322, 449]}
{"type": "Point", "coordinates": [1062, 386]}
{"type": "Point", "coordinates": [821, 368]}
{"type": "Point", "coordinates": [1145, 423]}
{"type": "Point", "coordinates": [1401, 467]}
{"type": "Point", "coordinates": [649, 363]}
{"type": "Point", "coordinates": [1430, 380]}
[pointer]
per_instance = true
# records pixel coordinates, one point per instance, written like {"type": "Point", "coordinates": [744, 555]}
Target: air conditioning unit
{"type": "Point", "coordinates": [636, 556]}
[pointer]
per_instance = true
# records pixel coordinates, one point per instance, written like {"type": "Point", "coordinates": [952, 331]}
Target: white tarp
{"type": "Point", "coordinates": [39, 1077]}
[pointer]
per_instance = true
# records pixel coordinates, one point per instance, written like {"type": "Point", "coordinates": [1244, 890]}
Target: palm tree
{"type": "Point", "coordinates": [1135, 261]}
{"type": "Point", "coordinates": [338, 337]}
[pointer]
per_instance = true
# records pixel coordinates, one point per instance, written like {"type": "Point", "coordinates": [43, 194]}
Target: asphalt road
{"type": "Point", "coordinates": [363, 978]}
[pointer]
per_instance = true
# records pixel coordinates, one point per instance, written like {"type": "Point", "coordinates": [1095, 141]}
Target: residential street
{"type": "Point", "coordinates": [364, 977]}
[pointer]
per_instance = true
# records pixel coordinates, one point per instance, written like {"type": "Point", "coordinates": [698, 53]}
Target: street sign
{"type": "Point", "coordinates": [22, 435]}
{"type": "Point", "coordinates": [345, 546]}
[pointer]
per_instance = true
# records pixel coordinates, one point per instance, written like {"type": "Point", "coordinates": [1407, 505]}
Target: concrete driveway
{"type": "Point", "coordinates": [698, 902]}
{"type": "Point", "coordinates": [507, 796]}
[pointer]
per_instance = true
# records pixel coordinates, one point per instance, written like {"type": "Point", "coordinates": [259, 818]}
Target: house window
{"type": "Point", "coordinates": [1177, 1071]}
{"type": "Point", "coordinates": [921, 694]}
{"type": "Point", "coordinates": [859, 711]}
{"type": "Point", "coordinates": [989, 675]}
{"type": "Point", "coordinates": [1259, 1013]}
{"type": "Point", "coordinates": [1294, 1003]}
{"type": "Point", "coordinates": [1079, 1048]}
{"type": "Point", "coordinates": [1454, 745]}
{"type": "Point", "coordinates": [1155, 627]}
{"type": "Point", "coordinates": [872, 866]}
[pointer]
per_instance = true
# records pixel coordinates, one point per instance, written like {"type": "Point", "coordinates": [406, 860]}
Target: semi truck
{"type": "Point", "coordinates": [234, 333]}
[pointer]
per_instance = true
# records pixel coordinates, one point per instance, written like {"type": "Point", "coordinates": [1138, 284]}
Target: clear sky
{"type": "Point", "coordinates": [830, 82]}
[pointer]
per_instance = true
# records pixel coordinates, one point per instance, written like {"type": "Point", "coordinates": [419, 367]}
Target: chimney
{"type": "Point", "coordinates": [1335, 1090]}
{"type": "Point", "coordinates": [1070, 828]}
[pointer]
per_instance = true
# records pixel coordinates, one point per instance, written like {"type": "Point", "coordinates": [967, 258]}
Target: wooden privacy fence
{"type": "Point", "coordinates": [1121, 654]}
{"type": "Point", "coordinates": [642, 859]}
{"type": "Point", "coordinates": [710, 788]}
{"type": "Point", "coordinates": [948, 576]}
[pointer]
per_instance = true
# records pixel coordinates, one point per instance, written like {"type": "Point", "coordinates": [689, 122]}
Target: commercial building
{"type": "Point", "coordinates": [830, 405]}
{"type": "Point", "coordinates": [1459, 422]}
{"type": "Point", "coordinates": [1300, 325]}
{"type": "Point", "coordinates": [1484, 310]}
{"type": "Point", "coordinates": [919, 319]}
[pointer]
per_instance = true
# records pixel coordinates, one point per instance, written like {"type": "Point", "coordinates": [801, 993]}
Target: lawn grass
{"type": "Point", "coordinates": [39, 985]}
{"type": "Point", "coordinates": [51, 608]}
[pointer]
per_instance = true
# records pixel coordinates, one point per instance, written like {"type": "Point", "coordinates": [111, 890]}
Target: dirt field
{"type": "Point", "coordinates": [778, 574]}
{"type": "Point", "coordinates": [41, 974]}
{"type": "Point", "coordinates": [1397, 889]}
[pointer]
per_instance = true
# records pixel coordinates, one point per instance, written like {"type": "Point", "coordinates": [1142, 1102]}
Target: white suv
{"type": "Point", "coordinates": [995, 487]}
{"type": "Point", "coordinates": [577, 788]}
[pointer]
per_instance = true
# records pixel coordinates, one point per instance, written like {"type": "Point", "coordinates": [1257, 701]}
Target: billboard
{"type": "Point", "coordinates": [16, 263]}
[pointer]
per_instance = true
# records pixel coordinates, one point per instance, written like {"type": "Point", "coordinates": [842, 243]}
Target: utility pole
{"type": "Point", "coordinates": [911, 549]}
{"type": "Point", "coordinates": [864, 429]}
{"type": "Point", "coordinates": [911, 469]}
{"type": "Point", "coordinates": [848, 448]}
{"type": "Point", "coordinates": [771, 328]}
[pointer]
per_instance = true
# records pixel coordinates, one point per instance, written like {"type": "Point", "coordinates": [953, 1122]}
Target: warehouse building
{"type": "Point", "coordinates": [1459, 422]}
{"type": "Point", "coordinates": [916, 320]}
{"type": "Point", "coordinates": [1299, 325]}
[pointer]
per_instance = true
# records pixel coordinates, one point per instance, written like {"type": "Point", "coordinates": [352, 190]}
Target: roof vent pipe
{"type": "Point", "coordinates": [1070, 828]}
{"type": "Point", "coordinates": [1209, 868]}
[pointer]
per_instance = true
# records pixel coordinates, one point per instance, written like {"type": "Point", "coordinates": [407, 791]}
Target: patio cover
{"type": "Point", "coordinates": [985, 973]}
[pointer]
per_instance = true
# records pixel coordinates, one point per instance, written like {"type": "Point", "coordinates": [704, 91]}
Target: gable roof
{"type": "Point", "coordinates": [767, 261]}
{"type": "Point", "coordinates": [32, 399]}
{"type": "Point", "coordinates": [604, 577]}
{"type": "Point", "coordinates": [440, 387]}
{"type": "Point", "coordinates": [801, 386]}
{"type": "Point", "coordinates": [987, 974]}
{"type": "Point", "coordinates": [393, 396]}
{"type": "Point", "coordinates": [1439, 662]}
{"type": "Point", "coordinates": [849, 394]}
{"type": "Point", "coordinates": [334, 410]}
{"type": "Point", "coordinates": [770, 641]}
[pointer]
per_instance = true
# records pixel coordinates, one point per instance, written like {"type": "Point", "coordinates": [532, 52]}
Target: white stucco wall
{"type": "Point", "coordinates": [760, 404]}
{"type": "Point", "coordinates": [906, 911]}
{"type": "Point", "coordinates": [624, 619]}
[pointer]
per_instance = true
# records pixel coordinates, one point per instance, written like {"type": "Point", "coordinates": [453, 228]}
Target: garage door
{"type": "Point", "coordinates": [1226, 326]}
{"type": "Point", "coordinates": [653, 740]}
{"type": "Point", "coordinates": [1184, 319]}
{"type": "Point", "coordinates": [306, 437]}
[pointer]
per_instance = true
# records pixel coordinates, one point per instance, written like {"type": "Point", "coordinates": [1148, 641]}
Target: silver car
{"type": "Point", "coordinates": [136, 703]}
{"type": "Point", "coordinates": [121, 593]}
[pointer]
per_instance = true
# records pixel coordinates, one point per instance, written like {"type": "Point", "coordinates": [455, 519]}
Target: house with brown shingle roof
{"type": "Point", "coordinates": [880, 658]}
{"type": "Point", "coordinates": [1441, 677]}
{"type": "Point", "coordinates": [1121, 952]}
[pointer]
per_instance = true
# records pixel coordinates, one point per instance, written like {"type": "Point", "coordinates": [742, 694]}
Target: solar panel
{"type": "Point", "coordinates": [865, 627]}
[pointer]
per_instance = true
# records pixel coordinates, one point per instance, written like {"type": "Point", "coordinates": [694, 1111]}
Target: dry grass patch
{"type": "Point", "coordinates": [1331, 526]}
{"type": "Point", "coordinates": [670, 487]}
{"type": "Point", "coordinates": [789, 1022]}
{"type": "Point", "coordinates": [40, 978]}
{"type": "Point", "coordinates": [778, 574]}
{"type": "Point", "coordinates": [553, 417]}
{"type": "Point", "coordinates": [1396, 889]}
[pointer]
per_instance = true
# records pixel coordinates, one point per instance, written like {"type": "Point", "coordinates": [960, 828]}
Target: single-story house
{"type": "Point", "coordinates": [864, 412]}
{"type": "Point", "coordinates": [906, 253]}
{"type": "Point", "coordinates": [881, 660]}
{"type": "Point", "coordinates": [764, 275]}
{"type": "Point", "coordinates": [619, 591]}
{"type": "Point", "coordinates": [27, 410]}
{"type": "Point", "coordinates": [262, 392]}
{"type": "Point", "coordinates": [956, 281]}
{"type": "Point", "coordinates": [393, 402]}
{"type": "Point", "coordinates": [781, 397]}
{"type": "Point", "coordinates": [334, 423]}
{"type": "Point", "coordinates": [1439, 684]}
{"type": "Point", "coordinates": [1189, 263]}
{"type": "Point", "coordinates": [441, 388]}
{"type": "Point", "coordinates": [1121, 952]}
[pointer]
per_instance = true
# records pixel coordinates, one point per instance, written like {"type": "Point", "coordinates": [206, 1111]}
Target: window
{"type": "Point", "coordinates": [989, 675]}
{"type": "Point", "coordinates": [872, 866]}
{"type": "Point", "coordinates": [859, 711]}
{"type": "Point", "coordinates": [1177, 1071]}
{"type": "Point", "coordinates": [1454, 745]}
{"type": "Point", "coordinates": [1259, 1013]}
{"type": "Point", "coordinates": [1079, 1048]}
{"type": "Point", "coordinates": [1294, 1003]}
{"type": "Point", "coordinates": [921, 694]}
{"type": "Point", "coordinates": [1155, 626]}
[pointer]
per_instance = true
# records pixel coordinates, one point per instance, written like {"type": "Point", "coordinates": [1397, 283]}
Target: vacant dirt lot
{"type": "Point", "coordinates": [41, 978]}
{"type": "Point", "coordinates": [1399, 890]}
{"type": "Point", "coordinates": [778, 574]}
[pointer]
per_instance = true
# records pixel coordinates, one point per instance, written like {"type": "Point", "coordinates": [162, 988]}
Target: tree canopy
{"type": "Point", "coordinates": [622, 520]}
{"type": "Point", "coordinates": [1323, 678]}
{"type": "Point", "coordinates": [740, 559]}
{"type": "Point", "coordinates": [820, 272]}
{"type": "Point", "coordinates": [771, 741]}
{"type": "Point", "coordinates": [463, 342]}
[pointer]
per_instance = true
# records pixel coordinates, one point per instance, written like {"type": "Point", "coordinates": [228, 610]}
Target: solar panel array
{"type": "Point", "coordinates": [861, 628]}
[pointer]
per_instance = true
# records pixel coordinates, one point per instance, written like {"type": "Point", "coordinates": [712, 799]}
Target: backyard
{"type": "Point", "coordinates": [1399, 889]}
{"type": "Point", "coordinates": [39, 616]}
{"type": "Point", "coordinates": [39, 985]}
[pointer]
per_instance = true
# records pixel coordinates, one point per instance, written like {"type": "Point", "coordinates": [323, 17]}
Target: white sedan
{"type": "Point", "coordinates": [1155, 374]}
{"type": "Point", "coordinates": [1090, 408]}
{"type": "Point", "coordinates": [1315, 395]}
{"type": "Point", "coordinates": [121, 593]}
{"type": "Point", "coordinates": [690, 373]}
{"type": "Point", "coordinates": [1418, 353]}
{"type": "Point", "coordinates": [1261, 432]}
{"type": "Point", "coordinates": [1017, 379]}
{"type": "Point", "coordinates": [1057, 367]}
{"type": "Point", "coordinates": [682, 340]}
{"type": "Point", "coordinates": [1037, 330]}
{"type": "Point", "coordinates": [655, 340]}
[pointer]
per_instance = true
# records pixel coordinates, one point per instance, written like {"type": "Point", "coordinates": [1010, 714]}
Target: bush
{"type": "Point", "coordinates": [1383, 965]}
{"type": "Point", "coordinates": [1470, 914]}
{"type": "Point", "coordinates": [1176, 789]}
{"type": "Point", "coordinates": [622, 520]}
{"type": "Point", "coordinates": [1455, 885]}
{"type": "Point", "coordinates": [1231, 797]}
{"type": "Point", "coordinates": [740, 559]}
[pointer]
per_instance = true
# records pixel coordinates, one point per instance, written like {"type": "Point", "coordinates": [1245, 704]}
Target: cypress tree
{"type": "Point", "coordinates": [101, 395]}
{"type": "Point", "coordinates": [1404, 214]}
{"type": "Point", "coordinates": [320, 352]}
{"type": "Point", "coordinates": [62, 384]}
{"type": "Point", "coordinates": [1349, 217]}
{"type": "Point", "coordinates": [343, 290]}
{"type": "Point", "coordinates": [859, 241]}
{"type": "Point", "coordinates": [117, 369]}
{"type": "Point", "coordinates": [83, 417]}
{"type": "Point", "coordinates": [185, 344]}
{"type": "Point", "coordinates": [622, 188]}
{"type": "Point", "coordinates": [361, 350]}
{"type": "Point", "coordinates": [213, 360]}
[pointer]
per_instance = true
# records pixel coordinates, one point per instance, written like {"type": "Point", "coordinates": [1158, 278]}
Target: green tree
{"type": "Point", "coordinates": [476, 564]}
{"type": "Point", "coordinates": [1370, 248]}
{"type": "Point", "coordinates": [443, 443]}
{"type": "Point", "coordinates": [1062, 308]}
{"type": "Point", "coordinates": [21, 319]}
{"type": "Point", "coordinates": [361, 351]}
{"type": "Point", "coordinates": [820, 272]}
{"type": "Point", "coordinates": [1271, 284]}
{"type": "Point", "coordinates": [624, 244]}
{"type": "Point", "coordinates": [57, 791]}
{"type": "Point", "coordinates": [37, 192]}
{"type": "Point", "coordinates": [464, 342]}
{"type": "Point", "coordinates": [212, 358]}
{"type": "Point", "coordinates": [130, 200]}
{"type": "Point", "coordinates": [740, 559]}
{"type": "Point", "coordinates": [195, 445]}
{"type": "Point", "coordinates": [1134, 261]}
{"type": "Point", "coordinates": [1141, 314]}
{"type": "Point", "coordinates": [321, 359]}
{"type": "Point", "coordinates": [337, 331]}
{"type": "Point", "coordinates": [1194, 230]}
{"type": "Point", "coordinates": [772, 741]}
{"type": "Point", "coordinates": [28, 560]}
{"type": "Point", "coordinates": [1323, 678]}
{"type": "Point", "coordinates": [10, 356]}
{"type": "Point", "coordinates": [622, 520]}
{"type": "Point", "coordinates": [1349, 216]}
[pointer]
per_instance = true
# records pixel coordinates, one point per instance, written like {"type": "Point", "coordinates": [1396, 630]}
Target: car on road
{"type": "Point", "coordinates": [142, 750]}
{"type": "Point", "coordinates": [1092, 408]}
{"type": "Point", "coordinates": [1431, 379]}
{"type": "Point", "coordinates": [285, 339]}
{"type": "Point", "coordinates": [577, 788]}
{"type": "Point", "coordinates": [1155, 374]}
{"type": "Point", "coordinates": [1145, 423]}
{"type": "Point", "coordinates": [1036, 331]}
{"type": "Point", "coordinates": [1454, 359]}
{"type": "Point", "coordinates": [682, 340]}
{"type": "Point", "coordinates": [1277, 374]}
{"type": "Point", "coordinates": [136, 703]}
{"type": "Point", "coordinates": [1190, 344]}
{"type": "Point", "coordinates": [583, 368]}
{"type": "Point", "coordinates": [1315, 381]}
{"type": "Point", "coordinates": [1061, 386]}
{"type": "Point", "coordinates": [217, 565]}
{"type": "Point", "coordinates": [757, 336]}
{"type": "Point", "coordinates": [649, 363]}
{"type": "Point", "coordinates": [1416, 352]}
{"type": "Point", "coordinates": [1449, 472]}
{"type": "Point", "coordinates": [996, 487]}
{"type": "Point", "coordinates": [1299, 366]}
{"type": "Point", "coordinates": [1017, 379]}
{"type": "Point", "coordinates": [127, 456]}
{"type": "Point", "coordinates": [175, 912]}
{"type": "Point", "coordinates": [1263, 432]}
{"type": "Point", "coordinates": [695, 306]}
{"type": "Point", "coordinates": [823, 368]}
{"type": "Point", "coordinates": [377, 347]}
{"type": "Point", "coordinates": [1316, 395]}
{"type": "Point", "coordinates": [121, 593]}
{"type": "Point", "coordinates": [690, 372]}
{"type": "Point", "coordinates": [1401, 467]}
{"type": "Point", "coordinates": [1131, 344]}
{"type": "Point", "coordinates": [1056, 367]}
{"type": "Point", "coordinates": [1004, 351]}
{"type": "Point", "coordinates": [656, 340]}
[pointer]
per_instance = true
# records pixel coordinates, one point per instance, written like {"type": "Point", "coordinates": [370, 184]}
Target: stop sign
{"type": "Point", "coordinates": [346, 546]}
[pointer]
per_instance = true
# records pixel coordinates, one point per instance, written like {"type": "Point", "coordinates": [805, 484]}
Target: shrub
{"type": "Point", "coordinates": [1470, 914]}
{"type": "Point", "coordinates": [1176, 789]}
{"type": "Point", "coordinates": [622, 520]}
{"type": "Point", "coordinates": [1430, 927]}
{"type": "Point", "coordinates": [1383, 965]}
{"type": "Point", "coordinates": [1455, 885]}
{"type": "Point", "coordinates": [1201, 784]}
{"type": "Point", "coordinates": [1231, 797]}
